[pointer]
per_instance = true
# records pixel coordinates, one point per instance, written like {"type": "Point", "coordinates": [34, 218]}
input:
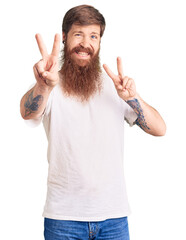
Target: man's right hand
{"type": "Point", "coordinates": [46, 70]}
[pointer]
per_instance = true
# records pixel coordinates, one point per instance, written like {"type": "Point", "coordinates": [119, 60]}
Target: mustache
{"type": "Point", "coordinates": [82, 49]}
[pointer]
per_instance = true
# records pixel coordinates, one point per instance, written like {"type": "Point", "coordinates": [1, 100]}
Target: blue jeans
{"type": "Point", "coordinates": [115, 228]}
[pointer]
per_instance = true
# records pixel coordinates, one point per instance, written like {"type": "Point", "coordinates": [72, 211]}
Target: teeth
{"type": "Point", "coordinates": [83, 53]}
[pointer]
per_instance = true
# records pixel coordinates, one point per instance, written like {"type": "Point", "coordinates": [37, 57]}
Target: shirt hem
{"type": "Point", "coordinates": [87, 219]}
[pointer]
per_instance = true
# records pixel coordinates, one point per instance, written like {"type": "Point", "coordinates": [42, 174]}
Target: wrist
{"type": "Point", "coordinates": [43, 88]}
{"type": "Point", "coordinates": [136, 96]}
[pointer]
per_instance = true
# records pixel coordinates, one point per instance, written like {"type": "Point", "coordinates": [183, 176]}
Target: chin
{"type": "Point", "coordinates": [82, 62]}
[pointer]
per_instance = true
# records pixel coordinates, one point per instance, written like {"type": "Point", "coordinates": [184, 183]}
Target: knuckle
{"type": "Point", "coordinates": [36, 65]}
{"type": "Point", "coordinates": [39, 63]}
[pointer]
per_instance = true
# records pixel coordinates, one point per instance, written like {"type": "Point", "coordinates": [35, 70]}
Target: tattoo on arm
{"type": "Point", "coordinates": [140, 121]}
{"type": "Point", "coordinates": [32, 104]}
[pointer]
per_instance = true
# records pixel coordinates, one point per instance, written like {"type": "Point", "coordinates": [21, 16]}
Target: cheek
{"type": "Point", "coordinates": [73, 44]}
{"type": "Point", "coordinates": [96, 48]}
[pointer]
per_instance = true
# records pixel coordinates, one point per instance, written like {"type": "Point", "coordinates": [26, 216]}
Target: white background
{"type": "Point", "coordinates": [150, 38]}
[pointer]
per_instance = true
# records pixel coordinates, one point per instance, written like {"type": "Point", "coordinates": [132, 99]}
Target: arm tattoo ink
{"type": "Point", "coordinates": [32, 104]}
{"type": "Point", "coordinates": [140, 121]}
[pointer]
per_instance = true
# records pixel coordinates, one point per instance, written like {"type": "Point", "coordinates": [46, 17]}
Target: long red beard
{"type": "Point", "coordinates": [81, 82]}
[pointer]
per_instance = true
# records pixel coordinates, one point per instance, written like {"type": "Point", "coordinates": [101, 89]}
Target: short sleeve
{"type": "Point", "coordinates": [129, 115]}
{"type": "Point", "coordinates": [36, 122]}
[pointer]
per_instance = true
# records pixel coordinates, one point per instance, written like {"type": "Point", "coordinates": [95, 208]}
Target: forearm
{"type": "Point", "coordinates": [148, 117]}
{"type": "Point", "coordinates": [33, 103]}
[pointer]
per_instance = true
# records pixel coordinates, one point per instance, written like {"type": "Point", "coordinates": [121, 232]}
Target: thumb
{"type": "Point", "coordinates": [51, 79]}
{"type": "Point", "coordinates": [45, 74]}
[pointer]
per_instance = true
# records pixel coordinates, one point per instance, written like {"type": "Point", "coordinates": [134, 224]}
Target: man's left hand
{"type": "Point", "coordinates": [124, 85]}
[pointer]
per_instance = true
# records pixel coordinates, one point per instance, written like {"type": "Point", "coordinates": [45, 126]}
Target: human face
{"type": "Point", "coordinates": [83, 42]}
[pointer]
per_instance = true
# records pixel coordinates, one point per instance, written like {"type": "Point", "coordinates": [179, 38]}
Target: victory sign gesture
{"type": "Point", "coordinates": [46, 70]}
{"type": "Point", "coordinates": [124, 85]}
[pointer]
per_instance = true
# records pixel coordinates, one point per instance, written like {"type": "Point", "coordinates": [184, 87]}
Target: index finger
{"type": "Point", "coordinates": [119, 66]}
{"type": "Point", "coordinates": [41, 45]}
{"type": "Point", "coordinates": [109, 72]}
{"type": "Point", "coordinates": [56, 45]}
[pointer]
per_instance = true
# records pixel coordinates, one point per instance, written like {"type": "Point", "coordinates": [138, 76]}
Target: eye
{"type": "Point", "coordinates": [77, 34]}
{"type": "Point", "coordinates": [94, 37]}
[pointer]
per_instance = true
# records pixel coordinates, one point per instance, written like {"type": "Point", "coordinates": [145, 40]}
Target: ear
{"type": "Point", "coordinates": [64, 37]}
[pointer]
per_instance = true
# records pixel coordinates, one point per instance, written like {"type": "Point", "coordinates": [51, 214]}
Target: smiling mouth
{"type": "Point", "coordinates": [82, 54]}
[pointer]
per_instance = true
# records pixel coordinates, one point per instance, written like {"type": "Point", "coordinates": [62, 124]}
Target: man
{"type": "Point", "coordinates": [83, 112]}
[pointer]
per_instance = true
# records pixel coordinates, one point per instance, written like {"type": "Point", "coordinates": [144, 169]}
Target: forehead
{"type": "Point", "coordinates": [93, 28]}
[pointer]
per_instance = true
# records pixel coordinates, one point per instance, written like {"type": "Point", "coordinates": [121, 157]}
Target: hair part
{"type": "Point", "coordinates": [83, 15]}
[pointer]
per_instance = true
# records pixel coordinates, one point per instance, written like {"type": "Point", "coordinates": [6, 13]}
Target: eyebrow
{"type": "Point", "coordinates": [95, 33]}
{"type": "Point", "coordinates": [83, 32]}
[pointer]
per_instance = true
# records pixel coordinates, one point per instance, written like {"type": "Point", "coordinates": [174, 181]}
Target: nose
{"type": "Point", "coordinates": [85, 42]}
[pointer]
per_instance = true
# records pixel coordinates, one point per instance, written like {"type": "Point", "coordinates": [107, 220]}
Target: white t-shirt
{"type": "Point", "coordinates": [85, 155]}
